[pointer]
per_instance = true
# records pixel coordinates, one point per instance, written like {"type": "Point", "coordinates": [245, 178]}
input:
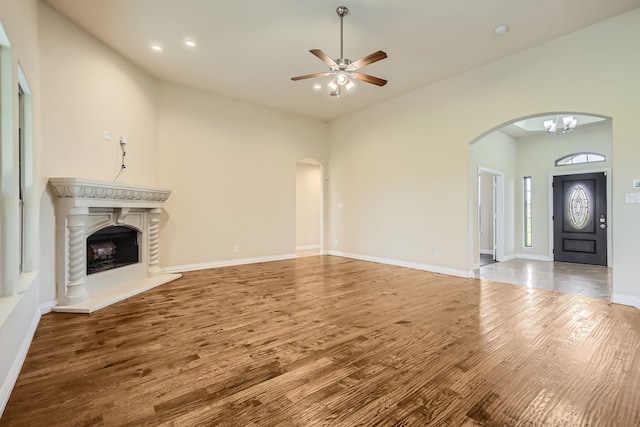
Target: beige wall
{"type": "Point", "coordinates": [392, 176]}
{"type": "Point", "coordinates": [232, 169]}
{"type": "Point", "coordinates": [88, 88]}
{"type": "Point", "coordinates": [308, 205]}
{"type": "Point", "coordinates": [401, 168]}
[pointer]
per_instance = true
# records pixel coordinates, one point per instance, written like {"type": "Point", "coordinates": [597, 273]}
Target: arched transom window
{"type": "Point", "coordinates": [578, 158]}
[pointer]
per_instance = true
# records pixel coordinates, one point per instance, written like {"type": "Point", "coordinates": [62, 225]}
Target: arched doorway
{"type": "Point", "coordinates": [527, 154]}
{"type": "Point", "coordinates": [309, 216]}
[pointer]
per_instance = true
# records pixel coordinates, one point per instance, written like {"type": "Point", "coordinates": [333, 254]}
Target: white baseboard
{"type": "Point", "coordinates": [10, 381]}
{"type": "Point", "coordinates": [534, 257]}
{"type": "Point", "coordinates": [307, 247]}
{"type": "Point", "coordinates": [227, 263]}
{"type": "Point", "coordinates": [486, 251]}
{"type": "Point", "coordinates": [415, 266]}
{"type": "Point", "coordinates": [46, 307]}
{"type": "Point", "coordinates": [630, 300]}
{"type": "Point", "coordinates": [506, 258]}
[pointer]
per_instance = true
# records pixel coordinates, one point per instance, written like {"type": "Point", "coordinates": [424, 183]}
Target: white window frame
{"type": "Point", "coordinates": [27, 243]}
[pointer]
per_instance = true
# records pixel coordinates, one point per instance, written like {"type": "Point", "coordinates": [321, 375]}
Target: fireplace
{"type": "Point", "coordinates": [112, 247]}
{"type": "Point", "coordinates": [107, 242]}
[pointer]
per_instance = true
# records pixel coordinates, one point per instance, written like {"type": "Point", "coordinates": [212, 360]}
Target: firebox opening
{"type": "Point", "coordinates": [112, 247]}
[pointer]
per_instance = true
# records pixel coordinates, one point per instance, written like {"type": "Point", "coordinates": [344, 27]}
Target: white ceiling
{"type": "Point", "coordinates": [249, 49]}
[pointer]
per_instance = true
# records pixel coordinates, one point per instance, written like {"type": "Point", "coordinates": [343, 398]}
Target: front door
{"type": "Point", "coordinates": [580, 218]}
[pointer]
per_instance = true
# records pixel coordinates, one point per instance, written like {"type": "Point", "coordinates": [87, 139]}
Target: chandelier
{"type": "Point", "coordinates": [568, 124]}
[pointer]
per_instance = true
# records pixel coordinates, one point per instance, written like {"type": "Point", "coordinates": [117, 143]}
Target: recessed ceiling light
{"type": "Point", "coordinates": [317, 86]}
{"type": "Point", "coordinates": [156, 47]}
{"type": "Point", "coordinates": [190, 43]}
{"type": "Point", "coordinates": [500, 30]}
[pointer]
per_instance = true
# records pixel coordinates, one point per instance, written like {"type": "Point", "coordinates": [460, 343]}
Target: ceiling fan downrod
{"type": "Point", "coordinates": [341, 11]}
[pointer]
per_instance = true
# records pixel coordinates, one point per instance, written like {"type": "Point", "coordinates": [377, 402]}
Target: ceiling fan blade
{"type": "Point", "coordinates": [369, 79]}
{"type": "Point", "coordinates": [369, 59]}
{"type": "Point", "coordinates": [309, 76]}
{"type": "Point", "coordinates": [324, 57]}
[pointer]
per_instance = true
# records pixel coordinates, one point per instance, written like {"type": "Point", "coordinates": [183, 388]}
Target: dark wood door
{"type": "Point", "coordinates": [580, 218]}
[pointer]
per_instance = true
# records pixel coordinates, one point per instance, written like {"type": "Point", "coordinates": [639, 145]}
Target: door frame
{"type": "Point", "coordinates": [314, 162]}
{"type": "Point", "coordinates": [607, 172]}
{"type": "Point", "coordinates": [498, 209]}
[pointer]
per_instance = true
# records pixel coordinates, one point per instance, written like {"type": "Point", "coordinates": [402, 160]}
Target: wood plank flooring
{"type": "Point", "coordinates": [329, 341]}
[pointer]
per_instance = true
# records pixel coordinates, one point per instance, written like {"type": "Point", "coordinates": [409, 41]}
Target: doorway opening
{"type": "Point", "coordinates": [529, 157]}
{"type": "Point", "coordinates": [309, 198]}
{"type": "Point", "coordinates": [490, 216]}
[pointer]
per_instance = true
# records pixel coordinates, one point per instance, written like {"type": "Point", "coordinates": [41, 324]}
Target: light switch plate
{"type": "Point", "coordinates": [633, 197]}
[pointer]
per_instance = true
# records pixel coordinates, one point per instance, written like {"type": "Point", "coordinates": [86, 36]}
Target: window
{"type": "Point", "coordinates": [527, 212]}
{"type": "Point", "coordinates": [23, 173]}
{"type": "Point", "coordinates": [579, 208]}
{"type": "Point", "coordinates": [21, 178]}
{"type": "Point", "coordinates": [578, 158]}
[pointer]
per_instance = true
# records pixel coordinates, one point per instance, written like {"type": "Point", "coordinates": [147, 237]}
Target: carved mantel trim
{"type": "Point", "coordinates": [85, 192]}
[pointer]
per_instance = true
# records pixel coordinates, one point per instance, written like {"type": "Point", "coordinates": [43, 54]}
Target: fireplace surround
{"type": "Point", "coordinates": [85, 211]}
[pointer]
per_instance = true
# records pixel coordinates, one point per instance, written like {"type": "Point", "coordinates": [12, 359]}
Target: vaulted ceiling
{"type": "Point", "coordinates": [249, 49]}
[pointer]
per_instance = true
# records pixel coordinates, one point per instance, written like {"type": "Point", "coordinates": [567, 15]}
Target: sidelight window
{"type": "Point", "coordinates": [527, 212]}
{"type": "Point", "coordinates": [21, 178]}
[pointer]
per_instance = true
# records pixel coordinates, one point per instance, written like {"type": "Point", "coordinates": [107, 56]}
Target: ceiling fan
{"type": "Point", "coordinates": [343, 69]}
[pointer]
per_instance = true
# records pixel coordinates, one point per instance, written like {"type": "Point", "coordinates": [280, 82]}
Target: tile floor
{"type": "Point", "coordinates": [578, 279]}
{"type": "Point", "coordinates": [486, 259]}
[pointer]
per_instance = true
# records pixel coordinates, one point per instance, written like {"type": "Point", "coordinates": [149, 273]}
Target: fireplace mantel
{"type": "Point", "coordinates": [84, 206]}
{"type": "Point", "coordinates": [89, 193]}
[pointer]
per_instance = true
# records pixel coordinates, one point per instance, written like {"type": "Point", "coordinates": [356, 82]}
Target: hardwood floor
{"type": "Point", "coordinates": [331, 341]}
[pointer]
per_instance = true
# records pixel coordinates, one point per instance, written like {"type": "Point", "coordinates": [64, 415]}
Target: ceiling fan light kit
{"type": "Point", "coordinates": [343, 70]}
